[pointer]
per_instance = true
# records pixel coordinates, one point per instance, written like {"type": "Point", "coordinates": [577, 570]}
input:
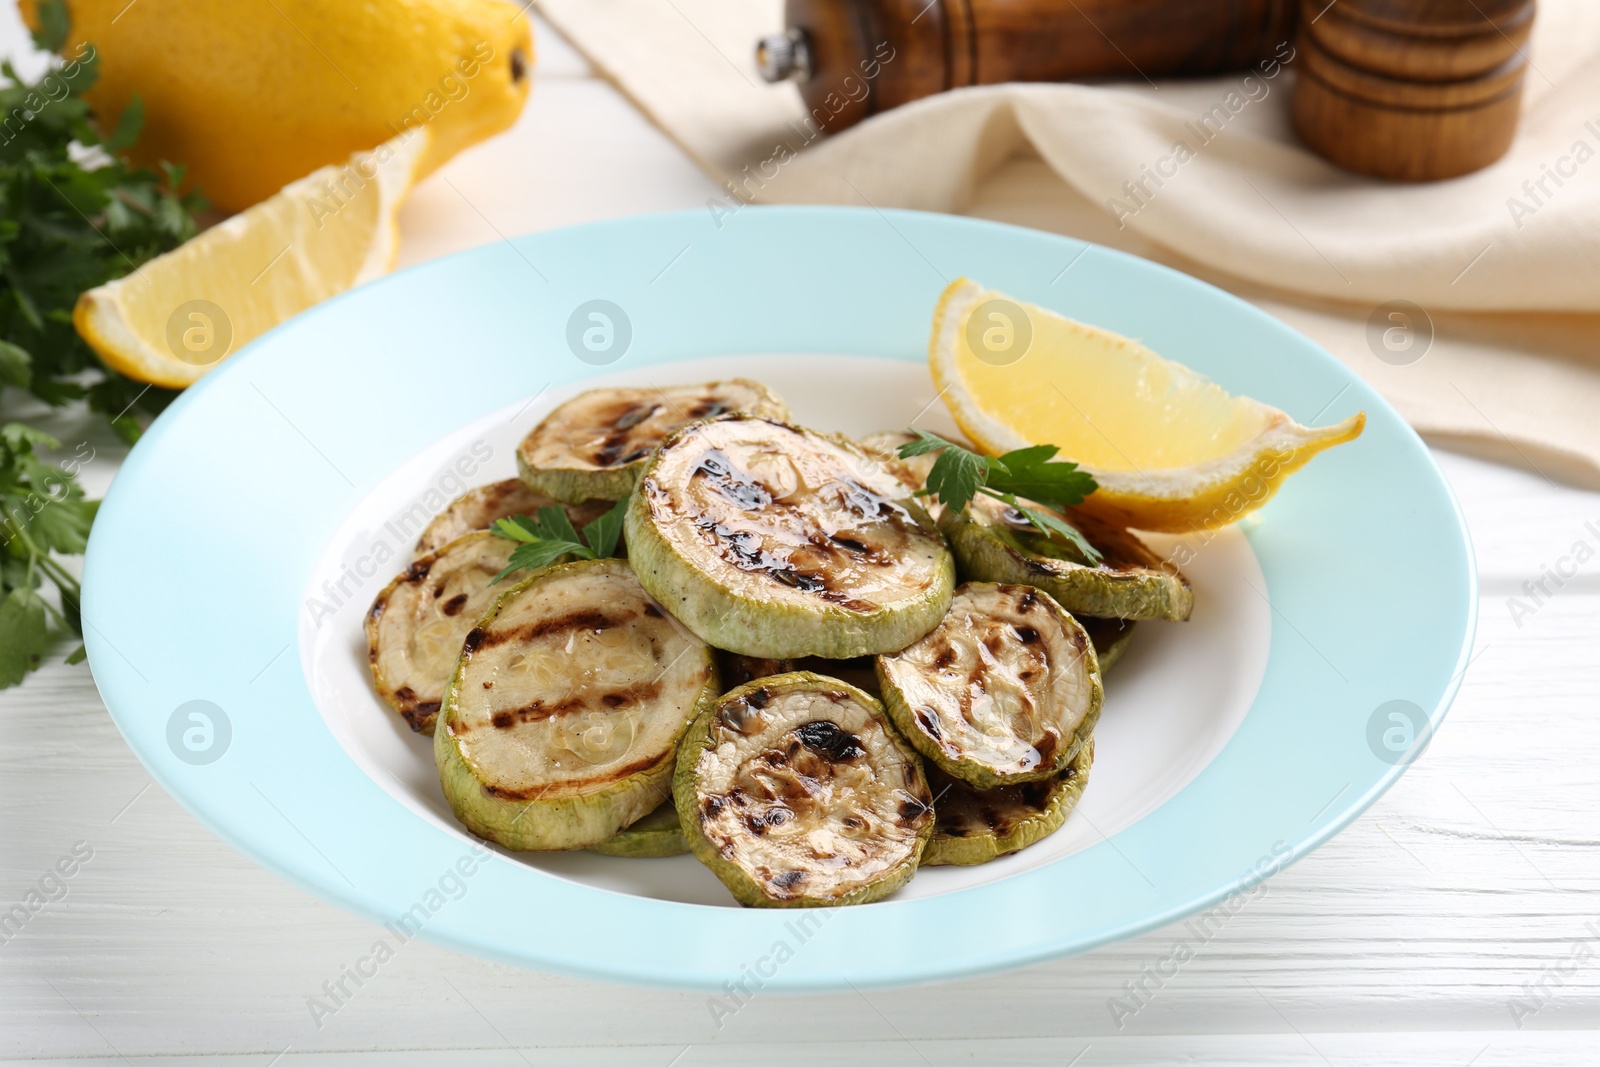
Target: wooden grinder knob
{"type": "Point", "coordinates": [1411, 90]}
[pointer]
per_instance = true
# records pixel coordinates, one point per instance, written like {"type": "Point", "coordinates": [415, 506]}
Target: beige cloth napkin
{"type": "Point", "coordinates": [1504, 263]}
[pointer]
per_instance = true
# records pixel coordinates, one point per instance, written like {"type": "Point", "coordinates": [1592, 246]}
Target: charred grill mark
{"type": "Point", "coordinates": [829, 741]}
{"type": "Point", "coordinates": [869, 505]}
{"type": "Point", "coordinates": [420, 714]}
{"type": "Point", "coordinates": [708, 408]}
{"type": "Point", "coordinates": [928, 719]}
{"type": "Point", "coordinates": [621, 446]}
{"type": "Point", "coordinates": [945, 656]}
{"type": "Point", "coordinates": [806, 583]}
{"type": "Point", "coordinates": [788, 879]}
{"type": "Point", "coordinates": [635, 414]}
{"type": "Point", "coordinates": [607, 774]}
{"type": "Point", "coordinates": [1026, 602]}
{"type": "Point", "coordinates": [474, 638]}
{"type": "Point", "coordinates": [540, 711]}
{"type": "Point", "coordinates": [577, 620]}
{"type": "Point", "coordinates": [1027, 634]}
{"type": "Point", "coordinates": [746, 550]}
{"type": "Point", "coordinates": [454, 605]}
{"type": "Point", "coordinates": [759, 822]}
{"type": "Point", "coordinates": [418, 570]}
{"type": "Point", "coordinates": [652, 611]}
{"type": "Point", "coordinates": [743, 549]}
{"type": "Point", "coordinates": [912, 809]}
{"type": "Point", "coordinates": [759, 698]}
{"type": "Point", "coordinates": [729, 482]}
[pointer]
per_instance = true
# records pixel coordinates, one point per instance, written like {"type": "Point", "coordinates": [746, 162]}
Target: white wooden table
{"type": "Point", "coordinates": [1466, 901]}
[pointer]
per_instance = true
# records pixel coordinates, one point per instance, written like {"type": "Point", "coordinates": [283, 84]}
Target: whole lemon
{"type": "Point", "coordinates": [251, 95]}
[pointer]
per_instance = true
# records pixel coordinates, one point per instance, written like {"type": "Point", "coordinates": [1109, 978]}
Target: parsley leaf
{"type": "Point", "coordinates": [1052, 526]}
{"type": "Point", "coordinates": [604, 532]}
{"type": "Point", "coordinates": [24, 634]}
{"type": "Point", "coordinates": [1028, 472]}
{"type": "Point", "coordinates": [536, 554]}
{"type": "Point", "coordinates": [42, 513]}
{"type": "Point", "coordinates": [958, 474]}
{"type": "Point", "coordinates": [548, 536]}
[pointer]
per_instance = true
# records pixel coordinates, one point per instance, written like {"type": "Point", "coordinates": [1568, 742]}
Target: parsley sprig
{"type": "Point", "coordinates": [42, 512]}
{"type": "Point", "coordinates": [549, 535]}
{"type": "Point", "coordinates": [959, 474]}
{"type": "Point", "coordinates": [74, 215]}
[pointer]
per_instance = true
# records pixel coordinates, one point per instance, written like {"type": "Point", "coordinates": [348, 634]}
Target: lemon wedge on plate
{"type": "Point", "coordinates": [180, 314]}
{"type": "Point", "coordinates": [1170, 450]}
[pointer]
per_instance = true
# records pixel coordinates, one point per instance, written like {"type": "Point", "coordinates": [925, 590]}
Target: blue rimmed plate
{"type": "Point", "coordinates": [247, 533]}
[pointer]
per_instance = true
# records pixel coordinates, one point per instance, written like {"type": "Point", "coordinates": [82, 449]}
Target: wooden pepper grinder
{"type": "Point", "coordinates": [1412, 90]}
{"type": "Point", "coordinates": [1402, 89]}
{"type": "Point", "coordinates": [856, 58]}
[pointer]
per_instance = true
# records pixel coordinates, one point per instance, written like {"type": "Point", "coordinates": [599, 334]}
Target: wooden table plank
{"type": "Point", "coordinates": [1476, 873]}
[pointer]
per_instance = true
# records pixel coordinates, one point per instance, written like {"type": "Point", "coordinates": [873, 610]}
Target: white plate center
{"type": "Point", "coordinates": [1171, 703]}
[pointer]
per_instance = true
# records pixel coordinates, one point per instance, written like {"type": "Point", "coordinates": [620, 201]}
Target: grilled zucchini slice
{"type": "Point", "coordinates": [996, 543]}
{"type": "Point", "coordinates": [797, 792]}
{"type": "Point", "coordinates": [1005, 689]}
{"type": "Point", "coordinates": [773, 541]}
{"type": "Point", "coordinates": [478, 508]}
{"type": "Point", "coordinates": [594, 446]}
{"type": "Point", "coordinates": [563, 717]}
{"type": "Point", "coordinates": [416, 625]}
{"type": "Point", "coordinates": [974, 826]}
{"type": "Point", "coordinates": [657, 834]}
{"type": "Point", "coordinates": [1110, 638]}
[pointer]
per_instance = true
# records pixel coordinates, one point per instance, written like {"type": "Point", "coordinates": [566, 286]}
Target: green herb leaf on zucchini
{"type": "Point", "coordinates": [550, 536]}
{"type": "Point", "coordinates": [959, 474]}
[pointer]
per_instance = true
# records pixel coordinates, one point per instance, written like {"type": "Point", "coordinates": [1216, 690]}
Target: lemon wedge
{"type": "Point", "coordinates": [182, 313]}
{"type": "Point", "coordinates": [1171, 451]}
